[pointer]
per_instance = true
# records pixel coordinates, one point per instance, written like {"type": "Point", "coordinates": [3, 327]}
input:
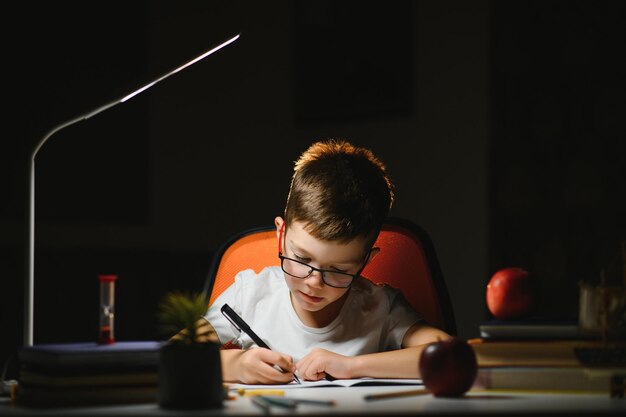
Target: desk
{"type": "Point", "coordinates": [350, 401]}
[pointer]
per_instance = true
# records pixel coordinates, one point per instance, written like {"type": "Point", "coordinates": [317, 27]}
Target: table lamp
{"type": "Point", "coordinates": [30, 278]}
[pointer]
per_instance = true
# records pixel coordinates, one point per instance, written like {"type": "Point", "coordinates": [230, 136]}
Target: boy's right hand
{"type": "Point", "coordinates": [258, 366]}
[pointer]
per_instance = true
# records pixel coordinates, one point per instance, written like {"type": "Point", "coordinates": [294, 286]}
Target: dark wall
{"type": "Point", "coordinates": [558, 155]}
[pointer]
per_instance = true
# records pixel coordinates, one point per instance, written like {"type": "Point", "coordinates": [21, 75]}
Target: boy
{"type": "Point", "coordinates": [315, 311]}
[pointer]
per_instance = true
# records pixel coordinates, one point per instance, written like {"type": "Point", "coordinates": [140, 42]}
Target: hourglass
{"type": "Point", "coordinates": [107, 308]}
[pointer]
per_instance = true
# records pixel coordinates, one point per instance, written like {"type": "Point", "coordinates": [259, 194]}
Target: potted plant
{"type": "Point", "coordinates": [190, 373]}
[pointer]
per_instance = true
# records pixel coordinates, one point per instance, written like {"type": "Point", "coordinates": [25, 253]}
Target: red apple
{"type": "Point", "coordinates": [448, 367]}
{"type": "Point", "coordinates": [511, 293]}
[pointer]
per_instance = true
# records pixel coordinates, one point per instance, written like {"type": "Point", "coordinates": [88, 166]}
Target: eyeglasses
{"type": "Point", "coordinates": [298, 269]}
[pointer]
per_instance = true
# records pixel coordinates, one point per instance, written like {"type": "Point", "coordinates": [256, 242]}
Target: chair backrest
{"type": "Point", "coordinates": [407, 261]}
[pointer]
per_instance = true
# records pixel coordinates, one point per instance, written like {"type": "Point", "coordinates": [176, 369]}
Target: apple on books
{"type": "Point", "coordinates": [512, 297]}
{"type": "Point", "coordinates": [511, 293]}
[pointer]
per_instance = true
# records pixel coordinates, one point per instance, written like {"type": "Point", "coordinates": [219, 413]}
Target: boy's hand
{"type": "Point", "coordinates": [320, 362]}
{"type": "Point", "coordinates": [258, 366]}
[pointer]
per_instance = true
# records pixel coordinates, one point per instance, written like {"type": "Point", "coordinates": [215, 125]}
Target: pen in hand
{"type": "Point", "coordinates": [241, 325]}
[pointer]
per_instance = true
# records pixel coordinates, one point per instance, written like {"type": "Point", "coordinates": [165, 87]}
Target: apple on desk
{"type": "Point", "coordinates": [511, 293]}
{"type": "Point", "coordinates": [448, 367]}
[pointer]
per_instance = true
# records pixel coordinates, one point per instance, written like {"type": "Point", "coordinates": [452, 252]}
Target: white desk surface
{"type": "Point", "coordinates": [350, 401]}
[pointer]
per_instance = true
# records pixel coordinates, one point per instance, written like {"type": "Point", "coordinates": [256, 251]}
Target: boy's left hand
{"type": "Point", "coordinates": [319, 362]}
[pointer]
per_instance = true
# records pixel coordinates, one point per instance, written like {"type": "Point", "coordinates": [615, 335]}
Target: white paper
{"type": "Point", "coordinates": [334, 383]}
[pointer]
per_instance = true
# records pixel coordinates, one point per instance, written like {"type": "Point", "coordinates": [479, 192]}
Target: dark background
{"type": "Point", "coordinates": [501, 123]}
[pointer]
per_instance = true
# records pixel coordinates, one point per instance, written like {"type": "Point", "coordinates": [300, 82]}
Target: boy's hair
{"type": "Point", "coordinates": [339, 191]}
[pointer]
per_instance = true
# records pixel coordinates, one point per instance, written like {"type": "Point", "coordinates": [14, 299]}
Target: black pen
{"type": "Point", "coordinates": [241, 325]}
{"type": "Point", "coordinates": [278, 401]}
{"type": "Point", "coordinates": [261, 403]}
{"type": "Point", "coordinates": [289, 402]}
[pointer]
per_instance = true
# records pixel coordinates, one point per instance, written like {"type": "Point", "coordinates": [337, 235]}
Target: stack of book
{"type": "Point", "coordinates": [547, 355]}
{"type": "Point", "coordinates": [81, 374]}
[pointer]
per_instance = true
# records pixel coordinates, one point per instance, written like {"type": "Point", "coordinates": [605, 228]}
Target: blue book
{"type": "Point", "coordinates": [89, 357]}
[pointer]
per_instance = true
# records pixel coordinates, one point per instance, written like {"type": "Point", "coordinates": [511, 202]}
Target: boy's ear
{"type": "Point", "coordinates": [278, 221]}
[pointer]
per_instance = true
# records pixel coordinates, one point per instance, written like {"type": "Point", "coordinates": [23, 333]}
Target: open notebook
{"type": "Point", "coordinates": [333, 383]}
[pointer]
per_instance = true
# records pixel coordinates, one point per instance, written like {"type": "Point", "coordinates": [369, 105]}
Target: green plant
{"type": "Point", "coordinates": [180, 318]}
{"type": "Point", "coordinates": [190, 373]}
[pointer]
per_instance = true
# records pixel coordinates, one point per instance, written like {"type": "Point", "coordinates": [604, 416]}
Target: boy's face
{"type": "Point", "coordinates": [311, 294]}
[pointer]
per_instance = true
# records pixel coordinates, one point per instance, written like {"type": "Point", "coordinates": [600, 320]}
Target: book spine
{"type": "Point", "coordinates": [551, 379]}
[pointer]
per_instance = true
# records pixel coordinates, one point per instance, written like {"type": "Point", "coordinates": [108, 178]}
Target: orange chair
{"type": "Point", "coordinates": [407, 261]}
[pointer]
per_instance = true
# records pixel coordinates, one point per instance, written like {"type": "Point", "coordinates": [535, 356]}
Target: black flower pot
{"type": "Point", "coordinates": [190, 376]}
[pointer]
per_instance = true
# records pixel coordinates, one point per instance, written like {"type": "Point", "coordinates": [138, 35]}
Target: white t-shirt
{"type": "Point", "coordinates": [374, 317]}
